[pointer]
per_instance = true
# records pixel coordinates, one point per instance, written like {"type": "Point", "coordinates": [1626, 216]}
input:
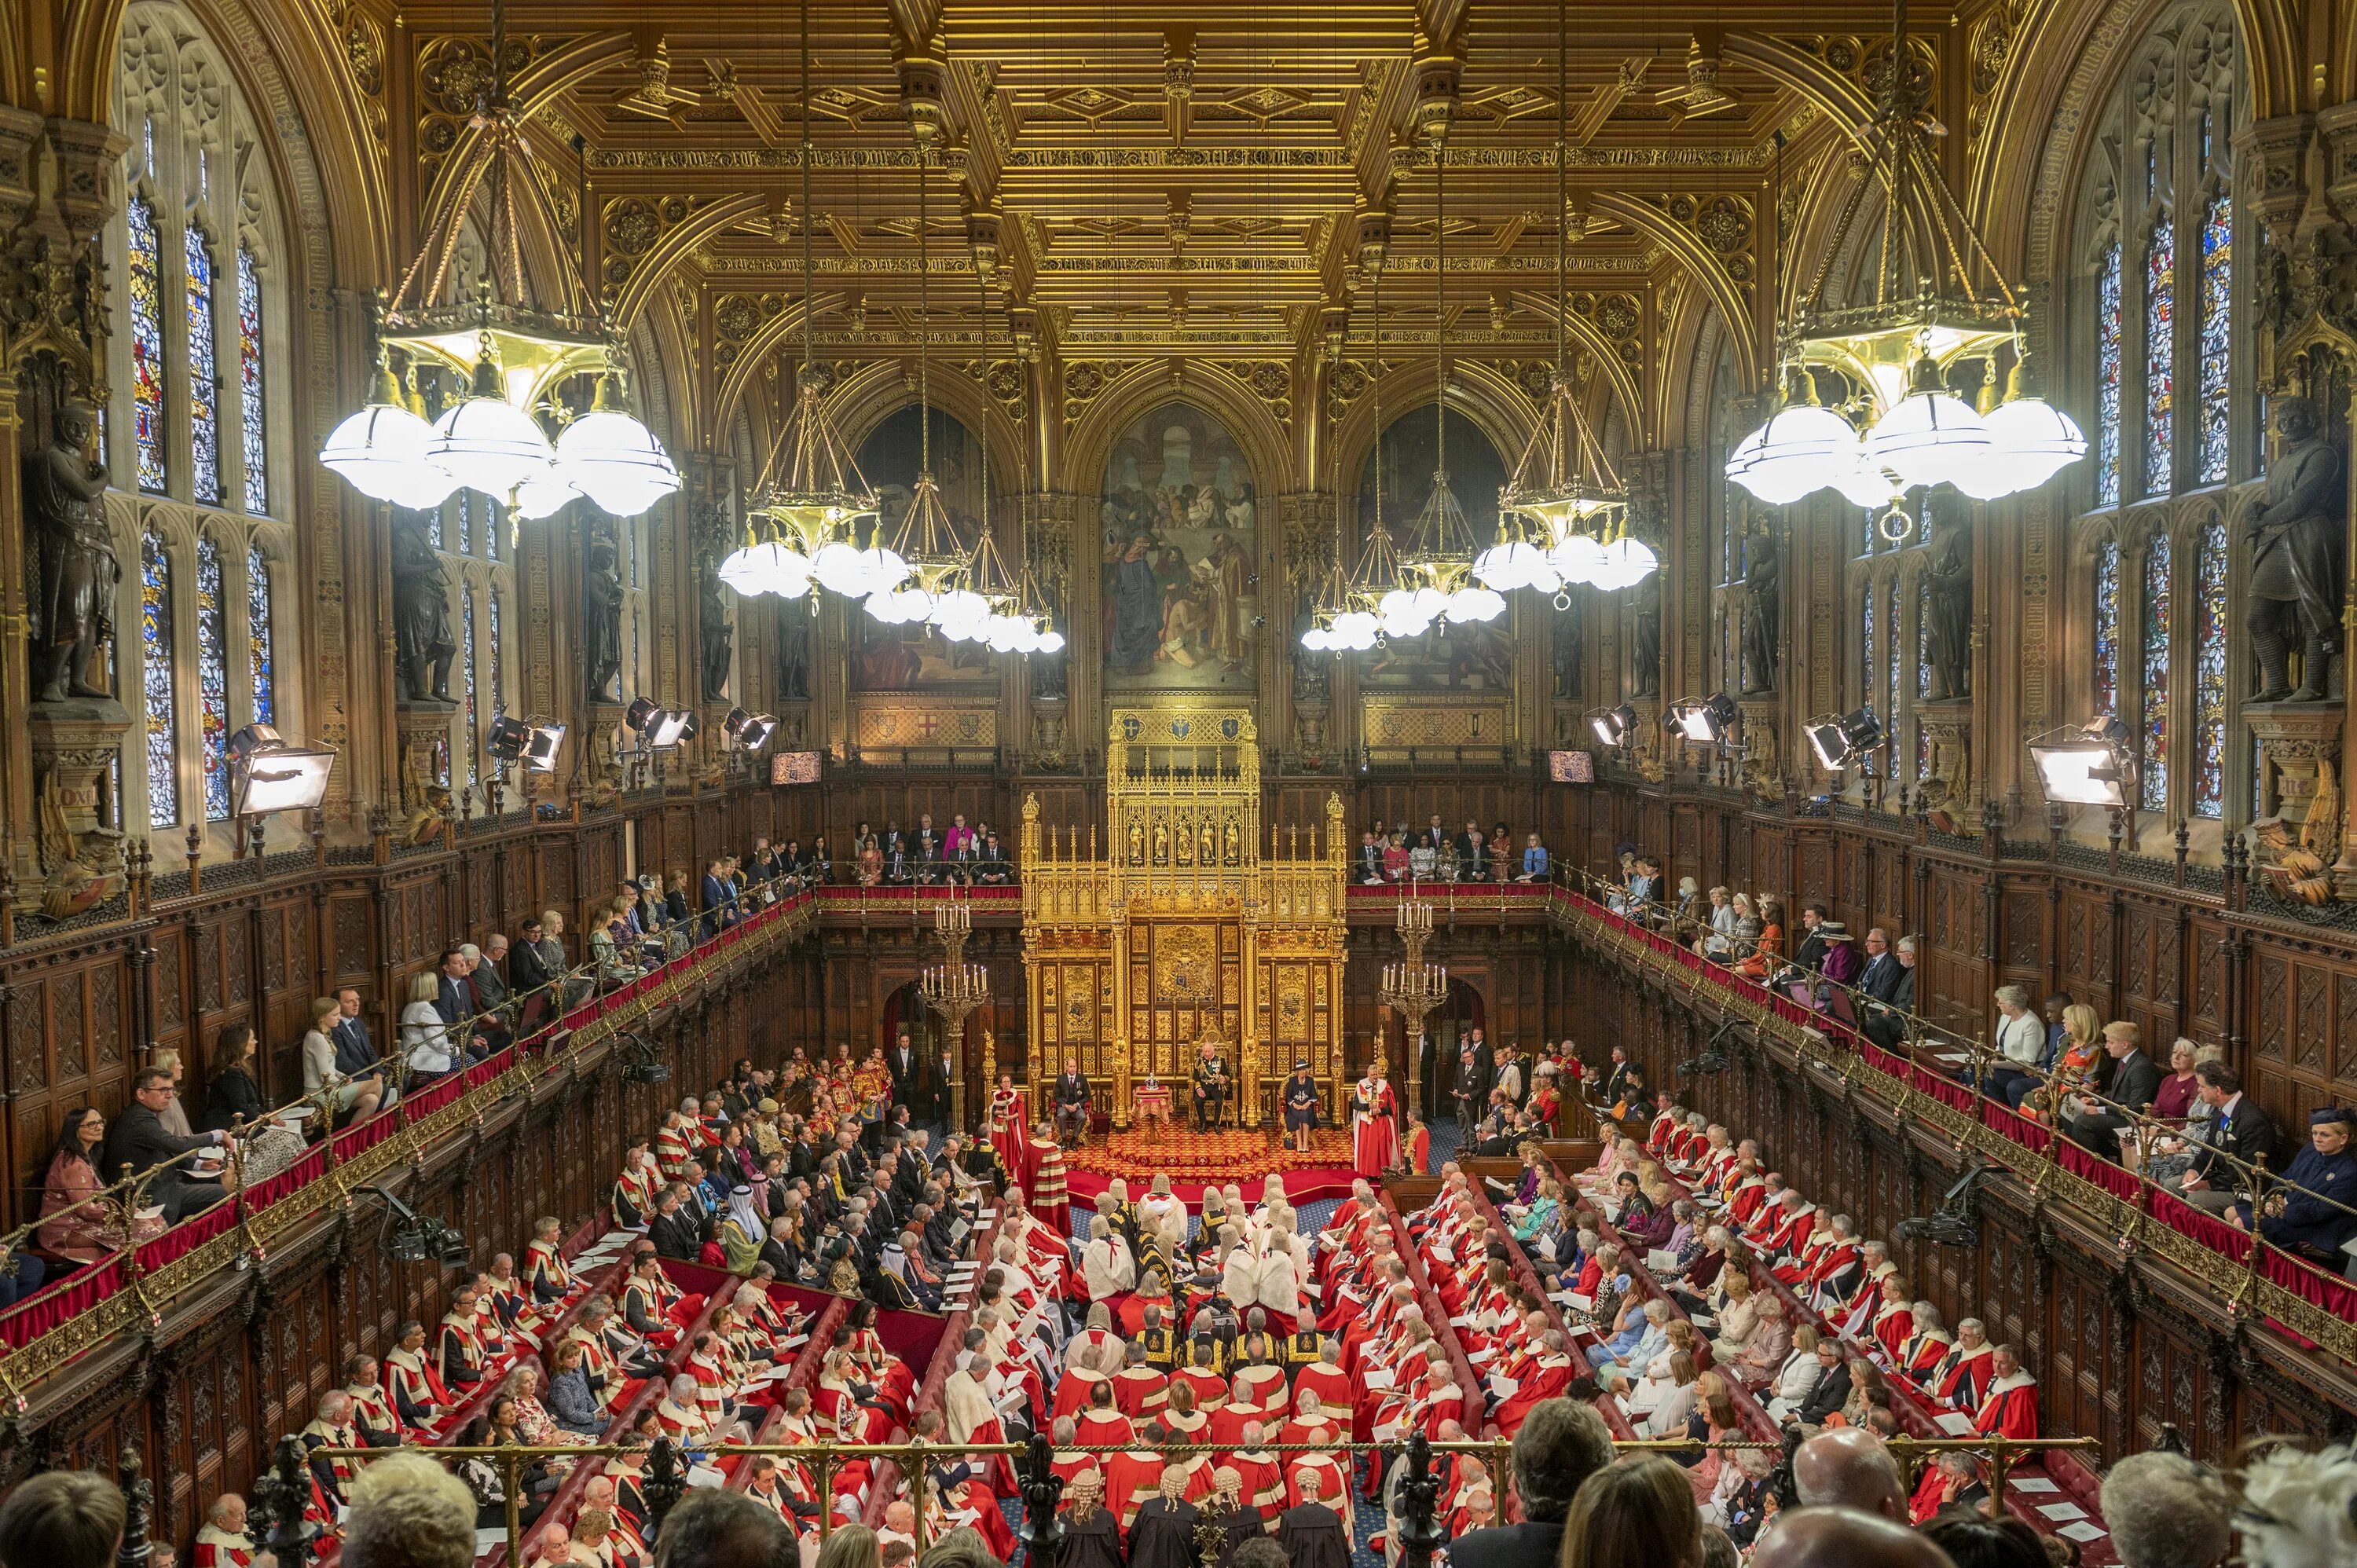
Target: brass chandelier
{"type": "Point", "coordinates": [512, 357]}
{"type": "Point", "coordinates": [1898, 426]}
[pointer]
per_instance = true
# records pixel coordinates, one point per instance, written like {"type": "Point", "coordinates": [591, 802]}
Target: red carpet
{"type": "Point", "coordinates": [1193, 1160]}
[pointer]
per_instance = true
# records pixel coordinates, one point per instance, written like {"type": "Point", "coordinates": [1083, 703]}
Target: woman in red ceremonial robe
{"type": "Point", "coordinates": [1417, 1153]}
{"type": "Point", "coordinates": [1010, 1131]}
{"type": "Point", "coordinates": [1374, 1131]}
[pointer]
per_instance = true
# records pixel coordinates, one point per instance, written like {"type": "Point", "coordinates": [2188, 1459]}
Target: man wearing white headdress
{"type": "Point", "coordinates": [1239, 1269]}
{"type": "Point", "coordinates": [1281, 1263]}
{"type": "Point", "coordinates": [1107, 1265]}
{"type": "Point", "coordinates": [1164, 1213]}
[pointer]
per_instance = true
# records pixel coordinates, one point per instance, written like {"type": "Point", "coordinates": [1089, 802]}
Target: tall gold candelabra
{"type": "Point", "coordinates": [1412, 989]}
{"type": "Point", "coordinates": [955, 989]}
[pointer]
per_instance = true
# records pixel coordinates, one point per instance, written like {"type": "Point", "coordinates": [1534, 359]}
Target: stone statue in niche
{"type": "Point", "coordinates": [793, 664]}
{"type": "Point", "coordinates": [1645, 640]}
{"type": "Point", "coordinates": [712, 622]}
{"type": "Point", "coordinates": [1568, 633]}
{"type": "Point", "coordinates": [601, 616]}
{"type": "Point", "coordinates": [1948, 582]}
{"type": "Point", "coordinates": [1763, 612]}
{"type": "Point", "coordinates": [2296, 557]}
{"type": "Point", "coordinates": [78, 572]}
{"type": "Point", "coordinates": [422, 646]}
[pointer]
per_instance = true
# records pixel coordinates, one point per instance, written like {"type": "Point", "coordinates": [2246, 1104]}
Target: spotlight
{"type": "Point", "coordinates": [1954, 1223]}
{"type": "Point", "coordinates": [1706, 721]}
{"type": "Point", "coordinates": [661, 729]}
{"type": "Point", "coordinates": [1710, 1060]}
{"type": "Point", "coordinates": [2089, 765]}
{"type": "Point", "coordinates": [267, 775]}
{"type": "Point", "coordinates": [1614, 726]}
{"type": "Point", "coordinates": [414, 1238]}
{"type": "Point", "coordinates": [1841, 741]}
{"type": "Point", "coordinates": [640, 1064]}
{"type": "Point", "coordinates": [532, 742]}
{"type": "Point", "coordinates": [749, 730]}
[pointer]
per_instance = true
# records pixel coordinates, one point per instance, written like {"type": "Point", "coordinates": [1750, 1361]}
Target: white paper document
{"type": "Point", "coordinates": [1955, 1423]}
{"type": "Point", "coordinates": [1662, 1261]}
{"type": "Point", "coordinates": [1502, 1385]}
{"type": "Point", "coordinates": [1702, 1320]}
{"type": "Point", "coordinates": [2062, 1510]}
{"type": "Point", "coordinates": [2081, 1531]}
{"type": "Point", "coordinates": [706, 1476]}
{"type": "Point", "coordinates": [1380, 1378]}
{"type": "Point", "coordinates": [2034, 1485]}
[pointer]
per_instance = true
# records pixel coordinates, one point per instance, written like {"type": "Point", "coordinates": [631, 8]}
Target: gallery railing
{"type": "Point", "coordinates": [1917, 1076]}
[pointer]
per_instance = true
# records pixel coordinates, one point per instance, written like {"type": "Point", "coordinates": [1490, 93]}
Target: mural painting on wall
{"type": "Point", "coordinates": [1181, 532]}
{"type": "Point", "coordinates": [916, 658]}
{"type": "Point", "coordinates": [1474, 657]}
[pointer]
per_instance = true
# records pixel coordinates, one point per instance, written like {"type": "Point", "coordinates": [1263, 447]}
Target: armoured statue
{"type": "Point", "coordinates": [422, 646]}
{"type": "Point", "coordinates": [718, 635]}
{"type": "Point", "coordinates": [602, 620]}
{"type": "Point", "coordinates": [1763, 612]}
{"type": "Point", "coordinates": [1949, 578]}
{"type": "Point", "coordinates": [2296, 536]}
{"type": "Point", "coordinates": [78, 572]}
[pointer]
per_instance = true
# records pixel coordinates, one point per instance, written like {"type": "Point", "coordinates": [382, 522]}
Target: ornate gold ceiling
{"type": "Point", "coordinates": [1126, 180]}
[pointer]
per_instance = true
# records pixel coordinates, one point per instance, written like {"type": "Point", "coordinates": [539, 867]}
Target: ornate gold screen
{"type": "Point", "coordinates": [1187, 926]}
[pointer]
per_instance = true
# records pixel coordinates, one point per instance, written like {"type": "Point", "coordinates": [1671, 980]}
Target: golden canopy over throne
{"type": "Point", "coordinates": [1195, 926]}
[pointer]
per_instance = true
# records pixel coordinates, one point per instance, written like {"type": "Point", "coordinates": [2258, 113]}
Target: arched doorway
{"type": "Point", "coordinates": [1436, 1070]}
{"type": "Point", "coordinates": [935, 1095]}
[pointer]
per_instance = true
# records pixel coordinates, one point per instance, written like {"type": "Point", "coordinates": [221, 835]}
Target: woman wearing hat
{"type": "Point", "coordinates": [1300, 1105]}
{"type": "Point", "coordinates": [1841, 963]}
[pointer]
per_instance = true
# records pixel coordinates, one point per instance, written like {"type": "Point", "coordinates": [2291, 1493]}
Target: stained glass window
{"type": "Point", "coordinates": [1865, 651]}
{"type": "Point", "coordinates": [256, 446]}
{"type": "Point", "coordinates": [212, 678]}
{"type": "Point", "coordinates": [156, 682]}
{"type": "Point", "coordinates": [147, 295]}
{"type": "Point", "coordinates": [2107, 378]}
{"type": "Point", "coordinates": [2107, 628]}
{"type": "Point", "coordinates": [2156, 675]}
{"type": "Point", "coordinates": [499, 692]}
{"type": "Point", "coordinates": [466, 667]}
{"type": "Point", "coordinates": [2217, 278]}
{"type": "Point", "coordinates": [2159, 356]}
{"type": "Point", "coordinates": [204, 379]}
{"type": "Point", "coordinates": [466, 522]}
{"type": "Point", "coordinates": [495, 522]}
{"type": "Point", "coordinates": [1923, 637]}
{"type": "Point", "coordinates": [2210, 673]}
{"type": "Point", "coordinates": [1892, 636]}
{"type": "Point", "coordinates": [1923, 751]}
{"type": "Point", "coordinates": [434, 523]}
{"type": "Point", "coordinates": [257, 638]}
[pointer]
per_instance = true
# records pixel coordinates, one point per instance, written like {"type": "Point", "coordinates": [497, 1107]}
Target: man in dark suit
{"type": "Point", "coordinates": [1560, 1444]}
{"type": "Point", "coordinates": [785, 1259]}
{"type": "Point", "coordinates": [1811, 953]}
{"type": "Point", "coordinates": [356, 1054]}
{"type": "Point", "coordinates": [1370, 868]}
{"type": "Point", "coordinates": [1485, 1060]}
{"type": "Point", "coordinates": [1072, 1104]}
{"type": "Point", "coordinates": [2239, 1134]}
{"type": "Point", "coordinates": [1888, 981]}
{"type": "Point", "coordinates": [138, 1140]}
{"type": "Point", "coordinates": [2096, 1124]}
{"type": "Point", "coordinates": [673, 1229]}
{"type": "Point", "coordinates": [1832, 1386]}
{"type": "Point", "coordinates": [1465, 1088]}
{"type": "Point", "coordinates": [717, 895]}
{"type": "Point", "coordinates": [1617, 1082]}
{"type": "Point", "coordinates": [904, 1064]}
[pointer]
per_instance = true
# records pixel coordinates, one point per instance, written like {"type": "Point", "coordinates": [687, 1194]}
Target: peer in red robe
{"type": "Point", "coordinates": [2011, 1408]}
{"type": "Point", "coordinates": [1374, 1128]}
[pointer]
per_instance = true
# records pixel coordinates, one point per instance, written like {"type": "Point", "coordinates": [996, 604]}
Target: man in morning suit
{"type": "Point", "coordinates": [1211, 1088]}
{"type": "Point", "coordinates": [2239, 1134]}
{"type": "Point", "coordinates": [1071, 1098]}
{"type": "Point", "coordinates": [2097, 1126]}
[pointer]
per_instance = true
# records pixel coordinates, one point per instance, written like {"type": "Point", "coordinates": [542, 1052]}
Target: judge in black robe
{"type": "Point", "coordinates": [1238, 1520]}
{"type": "Point", "coordinates": [1311, 1534]}
{"type": "Point", "coordinates": [1094, 1542]}
{"type": "Point", "coordinates": [1163, 1535]}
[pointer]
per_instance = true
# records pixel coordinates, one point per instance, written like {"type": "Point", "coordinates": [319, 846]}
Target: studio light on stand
{"type": "Point", "coordinates": [1706, 721]}
{"type": "Point", "coordinates": [748, 732]}
{"type": "Point", "coordinates": [535, 743]}
{"type": "Point", "coordinates": [1842, 740]}
{"type": "Point", "coordinates": [267, 775]}
{"type": "Point", "coordinates": [1616, 727]}
{"type": "Point", "coordinates": [658, 728]}
{"type": "Point", "coordinates": [2087, 765]}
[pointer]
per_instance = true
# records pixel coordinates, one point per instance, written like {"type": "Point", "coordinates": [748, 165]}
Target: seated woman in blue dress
{"type": "Point", "coordinates": [1300, 1106]}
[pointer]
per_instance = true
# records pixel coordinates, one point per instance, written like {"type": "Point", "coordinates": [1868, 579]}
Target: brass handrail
{"type": "Point", "coordinates": [131, 1309]}
{"type": "Point", "coordinates": [2233, 1278]}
